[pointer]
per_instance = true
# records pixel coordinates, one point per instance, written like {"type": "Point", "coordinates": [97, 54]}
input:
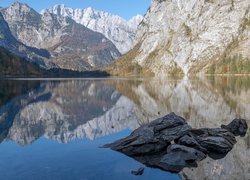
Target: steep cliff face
{"type": "Point", "coordinates": [193, 36]}
{"type": "Point", "coordinates": [115, 28]}
{"type": "Point", "coordinates": [71, 45]}
{"type": "Point", "coordinates": [8, 41]}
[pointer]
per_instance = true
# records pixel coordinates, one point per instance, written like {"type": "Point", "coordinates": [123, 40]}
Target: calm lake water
{"type": "Point", "coordinates": [53, 129]}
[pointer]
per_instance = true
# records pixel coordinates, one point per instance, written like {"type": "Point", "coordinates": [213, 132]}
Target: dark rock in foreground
{"type": "Point", "coordinates": [238, 127]}
{"type": "Point", "coordinates": [214, 140]}
{"type": "Point", "coordinates": [169, 143]}
{"type": "Point", "coordinates": [154, 137]}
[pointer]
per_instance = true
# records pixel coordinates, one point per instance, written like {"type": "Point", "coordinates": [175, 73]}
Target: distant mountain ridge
{"type": "Point", "coordinates": [71, 45]}
{"type": "Point", "coordinates": [115, 28]}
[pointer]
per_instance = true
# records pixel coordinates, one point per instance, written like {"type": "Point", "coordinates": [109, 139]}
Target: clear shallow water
{"type": "Point", "coordinates": [80, 159]}
{"type": "Point", "coordinates": [52, 129]}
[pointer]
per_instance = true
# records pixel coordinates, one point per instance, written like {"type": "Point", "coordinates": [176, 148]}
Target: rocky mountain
{"type": "Point", "coordinates": [8, 41]}
{"type": "Point", "coordinates": [115, 28]}
{"type": "Point", "coordinates": [190, 37]}
{"type": "Point", "coordinates": [71, 45]}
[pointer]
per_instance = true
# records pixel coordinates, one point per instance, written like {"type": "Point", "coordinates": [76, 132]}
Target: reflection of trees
{"type": "Point", "coordinates": [189, 97]}
{"type": "Point", "coordinates": [232, 84]}
{"type": "Point", "coordinates": [11, 89]}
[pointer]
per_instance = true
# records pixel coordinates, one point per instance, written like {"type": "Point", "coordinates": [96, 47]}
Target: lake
{"type": "Point", "coordinates": [54, 128]}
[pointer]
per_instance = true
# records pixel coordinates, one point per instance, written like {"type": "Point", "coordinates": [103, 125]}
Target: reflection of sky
{"type": "Point", "coordinates": [80, 159]}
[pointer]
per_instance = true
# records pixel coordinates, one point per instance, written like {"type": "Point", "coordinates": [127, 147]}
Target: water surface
{"type": "Point", "coordinates": [52, 129]}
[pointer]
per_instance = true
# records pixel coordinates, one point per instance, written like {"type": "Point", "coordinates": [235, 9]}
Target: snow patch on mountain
{"type": "Point", "coordinates": [120, 31]}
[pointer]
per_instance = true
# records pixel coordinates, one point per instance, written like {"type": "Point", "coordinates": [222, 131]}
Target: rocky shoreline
{"type": "Point", "coordinates": [170, 144]}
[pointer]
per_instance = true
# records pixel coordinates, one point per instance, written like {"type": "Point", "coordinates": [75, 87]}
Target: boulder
{"type": "Point", "coordinates": [190, 141]}
{"type": "Point", "coordinates": [238, 127]}
{"type": "Point", "coordinates": [179, 156]}
{"type": "Point", "coordinates": [169, 143]}
{"type": "Point", "coordinates": [153, 137]}
{"type": "Point", "coordinates": [214, 140]}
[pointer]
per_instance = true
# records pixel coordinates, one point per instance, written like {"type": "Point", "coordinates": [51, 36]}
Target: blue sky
{"type": "Point", "coordinates": [123, 8]}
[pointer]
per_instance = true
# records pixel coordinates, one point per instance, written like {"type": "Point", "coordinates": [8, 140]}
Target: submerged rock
{"type": "Point", "coordinates": [138, 172]}
{"type": "Point", "coordinates": [179, 156]}
{"type": "Point", "coordinates": [169, 143]}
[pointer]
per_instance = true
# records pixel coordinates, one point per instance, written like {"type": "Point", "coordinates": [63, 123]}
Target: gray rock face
{"type": "Point", "coordinates": [189, 36]}
{"type": "Point", "coordinates": [8, 41]}
{"type": "Point", "coordinates": [115, 28]}
{"type": "Point", "coordinates": [170, 144]}
{"type": "Point", "coordinates": [72, 46]}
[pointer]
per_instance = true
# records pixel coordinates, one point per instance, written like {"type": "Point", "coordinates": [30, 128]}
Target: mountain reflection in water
{"type": "Point", "coordinates": [77, 109]}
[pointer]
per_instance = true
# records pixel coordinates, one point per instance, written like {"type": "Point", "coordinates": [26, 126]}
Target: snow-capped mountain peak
{"type": "Point", "coordinates": [136, 19]}
{"type": "Point", "coordinates": [120, 31]}
{"type": "Point", "coordinates": [70, 44]}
